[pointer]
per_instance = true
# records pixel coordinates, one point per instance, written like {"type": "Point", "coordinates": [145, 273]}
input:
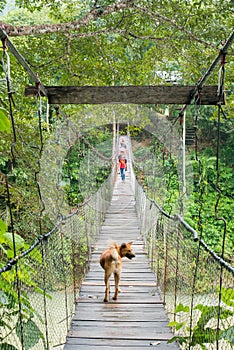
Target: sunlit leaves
{"type": "Point", "coordinates": [5, 125]}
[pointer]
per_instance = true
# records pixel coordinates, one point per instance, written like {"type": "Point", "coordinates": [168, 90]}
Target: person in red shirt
{"type": "Point", "coordinates": [122, 167]}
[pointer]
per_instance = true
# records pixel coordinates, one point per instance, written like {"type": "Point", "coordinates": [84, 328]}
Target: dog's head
{"type": "Point", "coordinates": [126, 250]}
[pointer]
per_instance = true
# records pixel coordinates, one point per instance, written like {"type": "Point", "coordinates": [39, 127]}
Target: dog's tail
{"type": "Point", "coordinates": [114, 251]}
{"type": "Point", "coordinates": [110, 253]}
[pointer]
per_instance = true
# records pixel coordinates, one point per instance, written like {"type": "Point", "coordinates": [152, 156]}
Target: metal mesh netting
{"type": "Point", "coordinates": [39, 302]}
{"type": "Point", "coordinates": [195, 284]}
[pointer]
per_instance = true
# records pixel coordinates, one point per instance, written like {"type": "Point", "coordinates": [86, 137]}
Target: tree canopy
{"type": "Point", "coordinates": [120, 42]}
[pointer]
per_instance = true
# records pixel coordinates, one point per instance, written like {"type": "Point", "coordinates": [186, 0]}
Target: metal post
{"type": "Point", "coordinates": [183, 156]}
{"type": "Point", "coordinates": [114, 139]}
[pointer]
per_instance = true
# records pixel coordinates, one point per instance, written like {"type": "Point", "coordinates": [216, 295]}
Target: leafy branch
{"type": "Point", "coordinates": [204, 332]}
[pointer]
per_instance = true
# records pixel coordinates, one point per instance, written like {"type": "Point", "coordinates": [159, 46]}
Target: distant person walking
{"type": "Point", "coordinates": [122, 167]}
{"type": "Point", "coordinates": [122, 143]}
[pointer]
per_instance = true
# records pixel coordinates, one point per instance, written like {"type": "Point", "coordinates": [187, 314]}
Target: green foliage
{"type": "Point", "coordinates": [157, 170]}
{"type": "Point", "coordinates": [5, 125]}
{"type": "Point", "coordinates": [84, 173]}
{"type": "Point", "coordinates": [202, 333]}
{"type": "Point", "coordinates": [31, 333]}
{"type": "Point", "coordinates": [2, 5]}
{"type": "Point", "coordinates": [131, 49]}
{"type": "Point", "coordinates": [205, 196]}
{"type": "Point", "coordinates": [9, 298]}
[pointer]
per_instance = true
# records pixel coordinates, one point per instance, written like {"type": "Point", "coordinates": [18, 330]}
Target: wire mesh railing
{"type": "Point", "coordinates": [196, 285]}
{"type": "Point", "coordinates": [39, 285]}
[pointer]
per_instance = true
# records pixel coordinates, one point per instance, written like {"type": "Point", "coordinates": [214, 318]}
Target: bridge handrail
{"type": "Point", "coordinates": [195, 283]}
{"type": "Point", "coordinates": [61, 219]}
{"type": "Point", "coordinates": [180, 219]}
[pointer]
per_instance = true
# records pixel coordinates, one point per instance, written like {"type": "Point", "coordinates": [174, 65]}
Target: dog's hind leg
{"type": "Point", "coordinates": [117, 279]}
{"type": "Point", "coordinates": [107, 291]}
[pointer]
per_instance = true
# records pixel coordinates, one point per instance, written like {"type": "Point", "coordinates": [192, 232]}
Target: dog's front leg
{"type": "Point", "coordinates": [117, 279]}
{"type": "Point", "coordinates": [107, 291]}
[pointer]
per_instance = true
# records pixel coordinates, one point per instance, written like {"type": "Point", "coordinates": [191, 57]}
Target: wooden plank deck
{"type": "Point", "coordinates": [137, 320]}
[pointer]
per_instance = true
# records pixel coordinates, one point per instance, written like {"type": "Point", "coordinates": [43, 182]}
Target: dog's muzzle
{"type": "Point", "coordinates": [130, 256]}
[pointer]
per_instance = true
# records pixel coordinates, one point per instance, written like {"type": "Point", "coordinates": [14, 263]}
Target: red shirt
{"type": "Point", "coordinates": [122, 163]}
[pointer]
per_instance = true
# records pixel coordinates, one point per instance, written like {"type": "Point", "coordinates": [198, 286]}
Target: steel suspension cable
{"type": "Point", "coordinates": [9, 203]}
{"type": "Point", "coordinates": [217, 217]}
{"type": "Point", "coordinates": [210, 70]}
{"type": "Point", "coordinates": [7, 72]}
{"type": "Point", "coordinates": [200, 227]}
{"type": "Point", "coordinates": [44, 274]}
{"type": "Point", "coordinates": [16, 265]}
{"type": "Point", "coordinates": [42, 242]}
{"type": "Point", "coordinates": [4, 37]}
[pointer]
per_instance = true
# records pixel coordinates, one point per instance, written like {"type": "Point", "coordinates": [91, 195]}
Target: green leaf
{"type": "Point", "coordinates": [172, 340]}
{"type": "Point", "coordinates": [5, 124]}
{"type": "Point", "coordinates": [3, 298]}
{"type": "Point", "coordinates": [181, 340]}
{"type": "Point", "coordinates": [228, 334]}
{"type": "Point", "coordinates": [31, 333]}
{"type": "Point", "coordinates": [7, 288]}
{"type": "Point", "coordinates": [177, 325]}
{"type": "Point", "coordinates": [181, 308]}
{"type": "Point", "coordinates": [228, 296]}
{"type": "Point", "coordinates": [3, 226]}
{"type": "Point", "coordinates": [7, 238]}
{"type": "Point", "coordinates": [202, 336]}
{"type": "Point", "coordinates": [36, 255]}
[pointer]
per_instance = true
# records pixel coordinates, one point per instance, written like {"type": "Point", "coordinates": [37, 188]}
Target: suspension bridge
{"type": "Point", "coordinates": [177, 285]}
{"type": "Point", "coordinates": [164, 283]}
{"type": "Point", "coordinates": [138, 319]}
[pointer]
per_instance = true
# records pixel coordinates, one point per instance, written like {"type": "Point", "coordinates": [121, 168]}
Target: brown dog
{"type": "Point", "coordinates": [111, 262]}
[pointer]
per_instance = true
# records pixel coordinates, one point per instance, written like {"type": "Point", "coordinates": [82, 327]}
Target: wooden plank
{"type": "Point", "coordinates": [130, 275]}
{"type": "Point", "coordinates": [126, 272]}
{"type": "Point", "coordinates": [105, 344]}
{"type": "Point", "coordinates": [137, 287]}
{"type": "Point", "coordinates": [94, 332]}
{"type": "Point", "coordinates": [126, 288]}
{"type": "Point", "coordinates": [125, 301]}
{"type": "Point", "coordinates": [133, 283]}
{"type": "Point", "coordinates": [129, 280]}
{"type": "Point", "coordinates": [126, 295]}
{"type": "Point", "coordinates": [126, 94]}
{"type": "Point", "coordinates": [126, 298]}
{"type": "Point", "coordinates": [127, 317]}
{"type": "Point", "coordinates": [159, 345]}
{"type": "Point", "coordinates": [156, 325]}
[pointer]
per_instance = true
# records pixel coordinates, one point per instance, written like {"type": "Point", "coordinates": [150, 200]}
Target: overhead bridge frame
{"type": "Point", "coordinates": [161, 94]}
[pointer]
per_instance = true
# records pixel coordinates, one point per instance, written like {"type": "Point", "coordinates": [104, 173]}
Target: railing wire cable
{"type": "Point", "coordinates": [190, 229]}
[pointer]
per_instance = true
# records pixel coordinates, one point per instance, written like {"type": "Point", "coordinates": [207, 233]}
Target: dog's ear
{"type": "Point", "coordinates": [123, 246]}
{"type": "Point", "coordinates": [130, 243]}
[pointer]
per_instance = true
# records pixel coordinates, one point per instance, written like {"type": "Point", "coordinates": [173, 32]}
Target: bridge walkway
{"type": "Point", "coordinates": [137, 320]}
